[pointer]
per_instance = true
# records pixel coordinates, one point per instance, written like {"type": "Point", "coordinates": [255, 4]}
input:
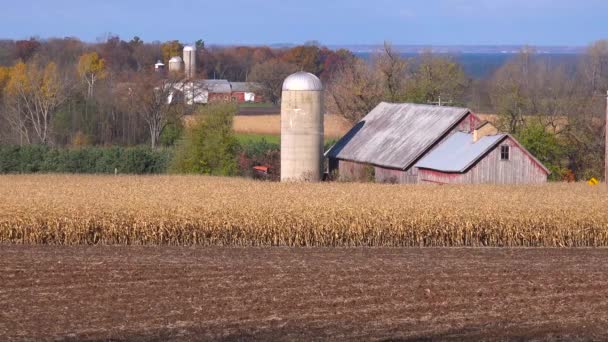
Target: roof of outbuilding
{"type": "Point", "coordinates": [395, 135]}
{"type": "Point", "coordinates": [244, 86]}
{"type": "Point", "coordinates": [458, 152]}
{"type": "Point", "coordinates": [216, 86]}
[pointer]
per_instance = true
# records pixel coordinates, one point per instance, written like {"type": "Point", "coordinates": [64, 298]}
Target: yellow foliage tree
{"type": "Point", "coordinates": [171, 49]}
{"type": "Point", "coordinates": [33, 94]}
{"type": "Point", "coordinates": [4, 77]}
{"type": "Point", "coordinates": [91, 68]}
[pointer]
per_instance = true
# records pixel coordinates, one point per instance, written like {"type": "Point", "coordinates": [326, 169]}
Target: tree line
{"type": "Point", "coordinates": [65, 92]}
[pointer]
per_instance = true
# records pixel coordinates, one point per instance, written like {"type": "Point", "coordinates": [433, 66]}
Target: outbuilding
{"type": "Point", "coordinates": [412, 143]}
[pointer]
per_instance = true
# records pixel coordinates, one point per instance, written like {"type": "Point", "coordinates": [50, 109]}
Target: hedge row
{"type": "Point", "coordinates": [37, 158]}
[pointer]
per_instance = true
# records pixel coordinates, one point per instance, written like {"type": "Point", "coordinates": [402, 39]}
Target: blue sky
{"type": "Point", "coordinates": [427, 22]}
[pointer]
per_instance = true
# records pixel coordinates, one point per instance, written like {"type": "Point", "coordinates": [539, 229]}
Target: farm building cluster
{"type": "Point", "coordinates": [411, 143]}
{"type": "Point", "coordinates": [399, 143]}
{"type": "Point", "coordinates": [198, 91]}
{"type": "Point", "coordinates": [210, 91]}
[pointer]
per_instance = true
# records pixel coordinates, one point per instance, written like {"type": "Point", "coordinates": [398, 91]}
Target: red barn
{"type": "Point", "coordinates": [245, 92]}
{"type": "Point", "coordinates": [410, 143]}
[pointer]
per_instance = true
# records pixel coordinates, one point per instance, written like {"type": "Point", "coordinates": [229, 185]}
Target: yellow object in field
{"type": "Point", "coordinates": [593, 181]}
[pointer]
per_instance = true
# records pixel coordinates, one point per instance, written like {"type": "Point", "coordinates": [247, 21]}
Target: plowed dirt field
{"type": "Point", "coordinates": [126, 293]}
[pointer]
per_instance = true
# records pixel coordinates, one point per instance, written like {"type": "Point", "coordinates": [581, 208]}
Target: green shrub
{"type": "Point", "coordinates": [546, 147]}
{"type": "Point", "coordinates": [209, 145]}
{"type": "Point", "coordinates": [38, 158]}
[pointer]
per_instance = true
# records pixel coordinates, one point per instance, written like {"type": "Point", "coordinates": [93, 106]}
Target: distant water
{"type": "Point", "coordinates": [483, 65]}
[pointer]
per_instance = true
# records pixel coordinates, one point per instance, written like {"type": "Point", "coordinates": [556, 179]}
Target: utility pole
{"type": "Point", "coordinates": [606, 146]}
{"type": "Point", "coordinates": [440, 103]}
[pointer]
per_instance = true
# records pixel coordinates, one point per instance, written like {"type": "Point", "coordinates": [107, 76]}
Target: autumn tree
{"type": "Point", "coordinates": [140, 54]}
{"type": "Point", "coordinates": [33, 95]}
{"type": "Point", "coordinates": [4, 78]}
{"type": "Point", "coordinates": [355, 90]}
{"type": "Point", "coordinates": [91, 68]}
{"type": "Point", "coordinates": [595, 66]}
{"type": "Point", "coordinates": [270, 75]}
{"type": "Point", "coordinates": [171, 49]}
{"type": "Point", "coordinates": [436, 76]}
{"type": "Point", "coordinates": [510, 91]}
{"type": "Point", "coordinates": [392, 68]}
{"type": "Point", "coordinates": [25, 49]}
{"type": "Point", "coordinates": [332, 61]}
{"type": "Point", "coordinates": [305, 57]}
{"type": "Point", "coordinates": [153, 98]}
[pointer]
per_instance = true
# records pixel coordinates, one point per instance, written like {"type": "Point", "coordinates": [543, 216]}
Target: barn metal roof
{"type": "Point", "coordinates": [244, 86]}
{"type": "Point", "coordinates": [395, 135]}
{"type": "Point", "coordinates": [458, 152]}
{"type": "Point", "coordinates": [216, 86]}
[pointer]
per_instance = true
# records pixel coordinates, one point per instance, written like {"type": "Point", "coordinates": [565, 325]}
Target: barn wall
{"type": "Point", "coordinates": [384, 175]}
{"type": "Point", "coordinates": [349, 171]}
{"type": "Point", "coordinates": [520, 169]}
{"type": "Point", "coordinates": [238, 96]}
{"type": "Point", "coordinates": [219, 97]}
{"type": "Point", "coordinates": [360, 172]}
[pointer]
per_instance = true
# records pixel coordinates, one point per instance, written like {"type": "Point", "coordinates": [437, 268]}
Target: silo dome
{"type": "Point", "coordinates": [176, 59]}
{"type": "Point", "coordinates": [189, 48]}
{"type": "Point", "coordinates": [302, 81]}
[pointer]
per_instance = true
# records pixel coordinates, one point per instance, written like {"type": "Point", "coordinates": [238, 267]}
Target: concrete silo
{"type": "Point", "coordinates": [302, 128]}
{"type": "Point", "coordinates": [190, 61]}
{"type": "Point", "coordinates": [176, 65]}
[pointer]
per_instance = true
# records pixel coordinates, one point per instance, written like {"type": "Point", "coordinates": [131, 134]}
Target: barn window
{"type": "Point", "coordinates": [504, 152]}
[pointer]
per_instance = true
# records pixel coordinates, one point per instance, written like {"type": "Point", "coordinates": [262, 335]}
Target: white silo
{"type": "Point", "coordinates": [302, 128]}
{"type": "Point", "coordinates": [190, 60]}
{"type": "Point", "coordinates": [176, 64]}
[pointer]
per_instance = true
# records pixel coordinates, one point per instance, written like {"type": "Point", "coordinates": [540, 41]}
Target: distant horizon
{"type": "Point", "coordinates": [359, 47]}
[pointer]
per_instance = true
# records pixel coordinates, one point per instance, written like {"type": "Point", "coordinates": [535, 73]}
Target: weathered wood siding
{"type": "Point", "coordinates": [519, 169]}
{"type": "Point", "coordinates": [360, 172]}
{"type": "Point", "coordinates": [384, 175]}
{"type": "Point", "coordinates": [349, 171]}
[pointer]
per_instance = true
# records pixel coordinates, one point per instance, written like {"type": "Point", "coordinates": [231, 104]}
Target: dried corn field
{"type": "Point", "coordinates": [197, 210]}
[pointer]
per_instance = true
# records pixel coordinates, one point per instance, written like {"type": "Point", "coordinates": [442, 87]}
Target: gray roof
{"type": "Point", "coordinates": [458, 152]}
{"type": "Point", "coordinates": [244, 86]}
{"type": "Point", "coordinates": [216, 86]}
{"type": "Point", "coordinates": [395, 135]}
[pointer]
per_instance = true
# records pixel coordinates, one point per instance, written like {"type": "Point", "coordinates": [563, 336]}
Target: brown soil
{"type": "Point", "coordinates": [171, 293]}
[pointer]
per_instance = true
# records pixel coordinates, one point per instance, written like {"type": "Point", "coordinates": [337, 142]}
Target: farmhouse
{"type": "Point", "coordinates": [410, 143]}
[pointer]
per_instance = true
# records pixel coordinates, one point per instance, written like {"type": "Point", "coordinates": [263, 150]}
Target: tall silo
{"type": "Point", "coordinates": [175, 65]}
{"type": "Point", "coordinates": [302, 128]}
{"type": "Point", "coordinates": [190, 60]}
